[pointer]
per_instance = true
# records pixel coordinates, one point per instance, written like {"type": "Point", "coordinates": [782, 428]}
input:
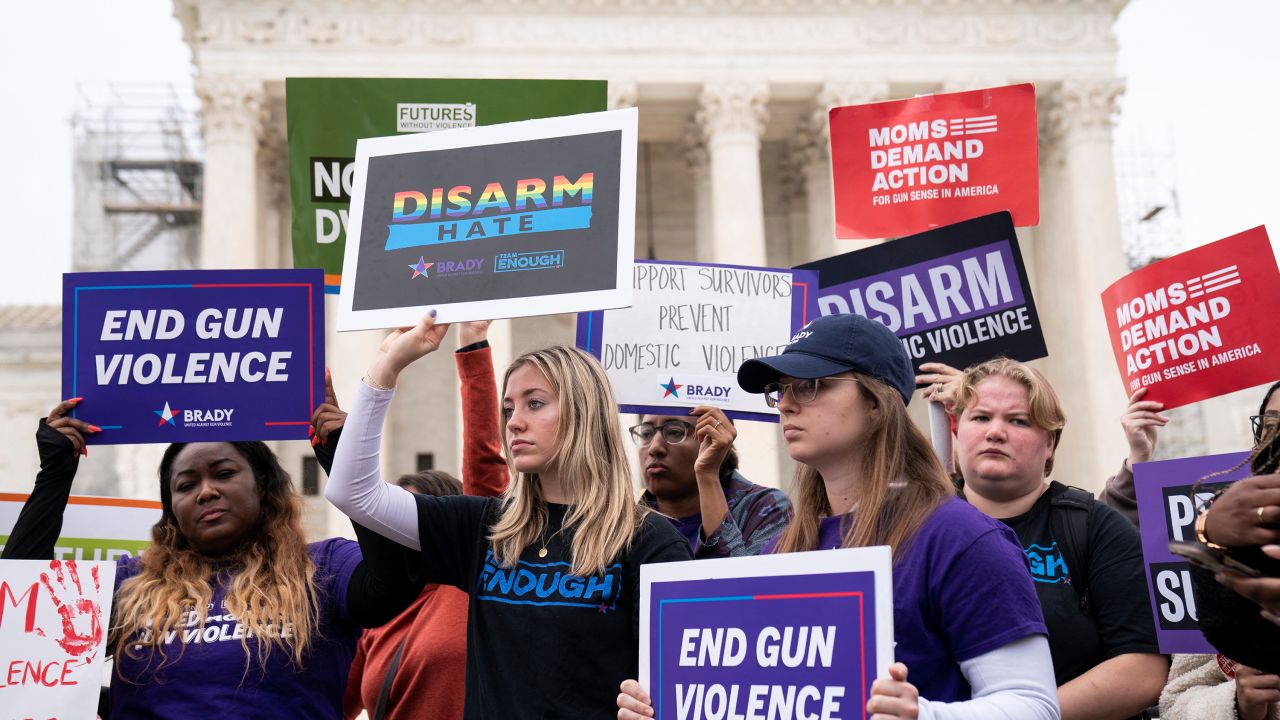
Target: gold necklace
{"type": "Point", "coordinates": [545, 542]}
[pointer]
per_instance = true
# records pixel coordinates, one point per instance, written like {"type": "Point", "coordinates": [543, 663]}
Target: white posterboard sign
{"type": "Point", "coordinates": [54, 617]}
{"type": "Point", "coordinates": [810, 631]}
{"type": "Point", "coordinates": [689, 328]}
{"type": "Point", "coordinates": [93, 528]}
{"type": "Point", "coordinates": [511, 220]}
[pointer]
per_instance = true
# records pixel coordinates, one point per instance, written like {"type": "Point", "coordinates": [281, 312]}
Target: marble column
{"type": "Point", "coordinates": [732, 116]}
{"type": "Point", "coordinates": [232, 116]}
{"type": "Point", "coordinates": [817, 174]}
{"type": "Point", "coordinates": [699, 162]}
{"type": "Point", "coordinates": [1079, 252]}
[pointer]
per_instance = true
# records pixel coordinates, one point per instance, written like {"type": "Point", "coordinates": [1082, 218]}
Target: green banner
{"type": "Point", "coordinates": [327, 115]}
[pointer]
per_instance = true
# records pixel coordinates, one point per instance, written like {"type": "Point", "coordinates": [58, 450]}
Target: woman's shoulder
{"type": "Point", "coordinates": [955, 519]}
{"type": "Point", "coordinates": [656, 539]}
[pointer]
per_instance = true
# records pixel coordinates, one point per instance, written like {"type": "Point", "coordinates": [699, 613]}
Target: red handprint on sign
{"type": "Point", "coordinates": [81, 615]}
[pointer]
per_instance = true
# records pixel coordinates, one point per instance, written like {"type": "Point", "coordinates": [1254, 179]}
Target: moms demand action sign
{"type": "Point", "coordinates": [956, 295]}
{"type": "Point", "coordinates": [689, 328]}
{"type": "Point", "coordinates": [327, 115]}
{"type": "Point", "coordinates": [908, 165]}
{"type": "Point", "coordinates": [528, 218]}
{"type": "Point", "coordinates": [182, 356]}
{"type": "Point", "coordinates": [1168, 503]}
{"type": "Point", "coordinates": [53, 621]}
{"type": "Point", "coordinates": [1199, 324]}
{"type": "Point", "coordinates": [801, 635]}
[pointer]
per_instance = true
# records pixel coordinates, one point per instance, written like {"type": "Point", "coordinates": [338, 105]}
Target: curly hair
{"type": "Point", "coordinates": [270, 577]}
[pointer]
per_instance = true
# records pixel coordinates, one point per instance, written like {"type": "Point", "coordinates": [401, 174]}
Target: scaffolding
{"type": "Point", "coordinates": [138, 177]}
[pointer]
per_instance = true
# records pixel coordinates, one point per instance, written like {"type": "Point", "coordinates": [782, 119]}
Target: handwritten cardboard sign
{"type": "Point", "coordinates": [194, 355]}
{"type": "Point", "coordinates": [724, 638]}
{"type": "Point", "coordinates": [956, 295]}
{"type": "Point", "coordinates": [53, 622]}
{"type": "Point", "coordinates": [1199, 324]}
{"type": "Point", "coordinates": [909, 165]}
{"type": "Point", "coordinates": [527, 218]}
{"type": "Point", "coordinates": [689, 328]}
{"type": "Point", "coordinates": [1167, 509]}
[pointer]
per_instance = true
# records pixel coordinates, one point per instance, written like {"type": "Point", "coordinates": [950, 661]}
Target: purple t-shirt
{"type": "Point", "coordinates": [961, 589]}
{"type": "Point", "coordinates": [209, 678]}
{"type": "Point", "coordinates": [690, 527]}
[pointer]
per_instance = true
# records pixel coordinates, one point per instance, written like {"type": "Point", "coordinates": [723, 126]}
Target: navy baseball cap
{"type": "Point", "coordinates": [834, 344]}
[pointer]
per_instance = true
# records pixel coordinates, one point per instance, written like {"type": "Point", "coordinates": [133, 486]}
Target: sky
{"type": "Point", "coordinates": [1200, 80]}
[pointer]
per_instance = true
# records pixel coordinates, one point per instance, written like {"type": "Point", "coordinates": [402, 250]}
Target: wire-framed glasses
{"type": "Point", "coordinates": [802, 390]}
{"type": "Point", "coordinates": [673, 432]}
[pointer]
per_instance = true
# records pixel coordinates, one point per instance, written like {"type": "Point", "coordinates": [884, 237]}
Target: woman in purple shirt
{"type": "Point", "coordinates": [967, 624]}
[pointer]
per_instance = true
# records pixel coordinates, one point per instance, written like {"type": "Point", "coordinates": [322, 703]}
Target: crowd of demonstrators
{"type": "Point", "coordinates": [553, 566]}
{"type": "Point", "coordinates": [691, 475]}
{"type": "Point", "coordinates": [970, 640]}
{"type": "Point", "coordinates": [414, 665]}
{"type": "Point", "coordinates": [1085, 558]}
{"type": "Point", "coordinates": [229, 612]}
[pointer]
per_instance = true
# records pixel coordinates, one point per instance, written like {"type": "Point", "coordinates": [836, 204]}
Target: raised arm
{"type": "Point", "coordinates": [1141, 422]}
{"type": "Point", "coordinates": [355, 484]}
{"type": "Point", "coordinates": [484, 470]}
{"type": "Point", "coordinates": [60, 442]}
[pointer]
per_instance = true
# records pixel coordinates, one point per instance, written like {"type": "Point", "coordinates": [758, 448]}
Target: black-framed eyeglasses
{"type": "Point", "coordinates": [802, 390]}
{"type": "Point", "coordinates": [1261, 422]}
{"type": "Point", "coordinates": [673, 432]}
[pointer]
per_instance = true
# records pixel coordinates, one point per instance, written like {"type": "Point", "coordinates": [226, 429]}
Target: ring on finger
{"type": "Point", "coordinates": [1260, 509]}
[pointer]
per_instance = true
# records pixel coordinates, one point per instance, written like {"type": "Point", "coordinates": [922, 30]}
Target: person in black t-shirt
{"type": "Point", "coordinates": [1105, 654]}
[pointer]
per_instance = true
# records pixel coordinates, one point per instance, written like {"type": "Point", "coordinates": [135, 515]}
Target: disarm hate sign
{"type": "Point", "coordinates": [800, 635]}
{"type": "Point", "coordinates": [527, 218]}
{"type": "Point", "coordinates": [909, 165]}
{"type": "Point", "coordinates": [1167, 508]}
{"type": "Point", "coordinates": [690, 327]}
{"type": "Point", "coordinates": [1199, 324]}
{"type": "Point", "coordinates": [956, 295]}
{"type": "Point", "coordinates": [200, 355]}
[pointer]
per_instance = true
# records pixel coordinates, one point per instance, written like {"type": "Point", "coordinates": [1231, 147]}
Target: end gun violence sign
{"type": "Point", "coordinates": [689, 328]}
{"type": "Point", "coordinates": [909, 165]}
{"type": "Point", "coordinates": [774, 637]}
{"type": "Point", "coordinates": [1199, 324]}
{"type": "Point", "coordinates": [956, 295]}
{"type": "Point", "coordinates": [1167, 509]}
{"type": "Point", "coordinates": [196, 355]}
{"type": "Point", "coordinates": [327, 115]}
{"type": "Point", "coordinates": [525, 218]}
{"type": "Point", "coordinates": [53, 621]}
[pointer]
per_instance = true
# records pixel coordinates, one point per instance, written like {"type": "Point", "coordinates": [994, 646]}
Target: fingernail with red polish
{"type": "Point", "coordinates": [314, 440]}
{"type": "Point", "coordinates": [75, 399]}
{"type": "Point", "coordinates": [310, 431]}
{"type": "Point", "coordinates": [94, 428]}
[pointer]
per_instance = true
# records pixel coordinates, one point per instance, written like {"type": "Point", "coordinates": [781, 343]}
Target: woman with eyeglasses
{"type": "Point", "coordinates": [690, 471]}
{"type": "Point", "coordinates": [970, 639]}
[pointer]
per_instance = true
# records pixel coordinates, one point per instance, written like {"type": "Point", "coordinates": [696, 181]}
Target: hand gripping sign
{"type": "Point", "coordinates": [904, 166]}
{"type": "Point", "coordinates": [1198, 324]}
{"type": "Point", "coordinates": [53, 617]}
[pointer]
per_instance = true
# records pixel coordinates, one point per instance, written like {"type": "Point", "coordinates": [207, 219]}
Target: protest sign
{"type": "Point", "coordinates": [909, 165]}
{"type": "Point", "coordinates": [1196, 325]}
{"type": "Point", "coordinates": [774, 636]}
{"type": "Point", "coordinates": [690, 326]}
{"type": "Point", "coordinates": [93, 528]}
{"type": "Point", "coordinates": [180, 356]}
{"type": "Point", "coordinates": [326, 116]}
{"type": "Point", "coordinates": [53, 617]}
{"type": "Point", "coordinates": [527, 218]}
{"type": "Point", "coordinates": [1167, 511]}
{"type": "Point", "coordinates": [956, 295]}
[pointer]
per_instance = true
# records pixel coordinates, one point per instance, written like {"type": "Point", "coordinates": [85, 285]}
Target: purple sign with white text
{"type": "Point", "coordinates": [1168, 504]}
{"type": "Point", "coordinates": [199, 355]}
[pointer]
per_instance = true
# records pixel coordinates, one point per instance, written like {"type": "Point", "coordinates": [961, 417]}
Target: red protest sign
{"type": "Point", "coordinates": [1198, 324]}
{"type": "Point", "coordinates": [905, 166]}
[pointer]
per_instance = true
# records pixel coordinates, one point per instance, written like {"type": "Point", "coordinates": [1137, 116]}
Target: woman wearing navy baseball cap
{"type": "Point", "coordinates": [967, 623]}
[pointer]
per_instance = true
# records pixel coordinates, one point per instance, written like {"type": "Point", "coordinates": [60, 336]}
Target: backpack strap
{"type": "Point", "coordinates": [384, 692]}
{"type": "Point", "coordinates": [1069, 523]}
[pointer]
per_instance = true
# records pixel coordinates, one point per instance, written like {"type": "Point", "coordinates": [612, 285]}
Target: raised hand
{"type": "Point", "coordinates": [402, 347]}
{"type": "Point", "coordinates": [80, 613]}
{"type": "Point", "coordinates": [940, 381]}
{"type": "Point", "coordinates": [715, 435]}
{"type": "Point", "coordinates": [1140, 422]}
{"type": "Point", "coordinates": [328, 415]}
{"type": "Point", "coordinates": [470, 333]}
{"type": "Point", "coordinates": [72, 428]}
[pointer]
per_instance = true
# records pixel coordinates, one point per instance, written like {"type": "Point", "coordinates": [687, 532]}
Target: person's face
{"type": "Point", "coordinates": [830, 428]}
{"type": "Point", "coordinates": [1273, 404]}
{"type": "Point", "coordinates": [215, 497]}
{"type": "Point", "coordinates": [1002, 453]}
{"type": "Point", "coordinates": [532, 414]}
{"type": "Point", "coordinates": [667, 468]}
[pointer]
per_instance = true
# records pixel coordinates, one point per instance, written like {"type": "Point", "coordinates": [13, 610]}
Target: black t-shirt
{"type": "Point", "coordinates": [541, 644]}
{"type": "Point", "coordinates": [1119, 619]}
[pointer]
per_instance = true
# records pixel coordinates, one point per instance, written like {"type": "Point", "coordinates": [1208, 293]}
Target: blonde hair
{"type": "Point", "coordinates": [592, 463]}
{"type": "Point", "coordinates": [272, 588]}
{"type": "Point", "coordinates": [1046, 409]}
{"type": "Point", "coordinates": [904, 482]}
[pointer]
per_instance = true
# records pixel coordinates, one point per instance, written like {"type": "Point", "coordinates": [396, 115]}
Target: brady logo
{"type": "Point", "coordinates": [167, 415]}
{"type": "Point", "coordinates": [514, 262]}
{"type": "Point", "coordinates": [216, 417]}
{"type": "Point", "coordinates": [467, 266]}
{"type": "Point", "coordinates": [425, 117]}
{"type": "Point", "coordinates": [707, 392]}
{"type": "Point", "coordinates": [800, 336]}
